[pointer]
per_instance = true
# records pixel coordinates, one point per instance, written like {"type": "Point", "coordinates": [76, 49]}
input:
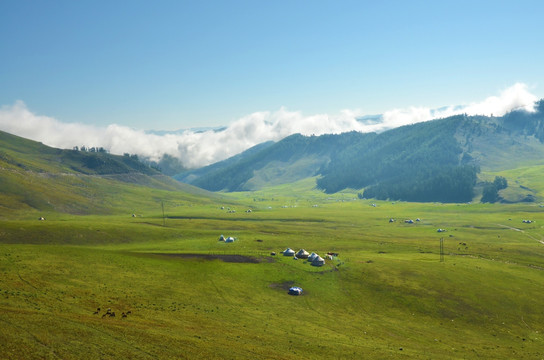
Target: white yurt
{"type": "Point", "coordinates": [312, 257]}
{"type": "Point", "coordinates": [288, 252]}
{"type": "Point", "coordinates": [302, 254]}
{"type": "Point", "coordinates": [318, 261]}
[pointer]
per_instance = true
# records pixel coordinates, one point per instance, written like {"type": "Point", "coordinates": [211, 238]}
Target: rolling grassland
{"type": "Point", "coordinates": [177, 292]}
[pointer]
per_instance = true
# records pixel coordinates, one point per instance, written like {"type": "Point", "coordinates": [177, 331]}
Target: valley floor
{"type": "Point", "coordinates": [178, 292]}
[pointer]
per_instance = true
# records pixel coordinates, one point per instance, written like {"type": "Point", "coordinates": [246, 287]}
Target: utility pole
{"type": "Point", "coordinates": [163, 218]}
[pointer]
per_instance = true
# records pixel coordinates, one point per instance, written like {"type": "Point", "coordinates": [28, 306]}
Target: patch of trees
{"type": "Point", "coordinates": [491, 189]}
{"type": "Point", "coordinates": [421, 162]}
{"type": "Point", "coordinates": [102, 163]}
{"type": "Point", "coordinates": [168, 165]}
{"type": "Point", "coordinates": [98, 159]}
{"type": "Point", "coordinates": [454, 184]}
{"type": "Point", "coordinates": [133, 163]}
{"type": "Point", "coordinates": [90, 149]}
{"type": "Point", "coordinates": [527, 123]}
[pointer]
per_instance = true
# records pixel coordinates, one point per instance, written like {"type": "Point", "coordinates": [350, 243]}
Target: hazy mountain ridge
{"type": "Point", "coordinates": [436, 160]}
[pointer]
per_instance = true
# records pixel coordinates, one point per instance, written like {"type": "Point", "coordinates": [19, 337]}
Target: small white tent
{"type": "Point", "coordinates": [318, 261]}
{"type": "Point", "coordinates": [302, 254]}
{"type": "Point", "coordinates": [288, 252]}
{"type": "Point", "coordinates": [229, 239]}
{"type": "Point", "coordinates": [312, 257]}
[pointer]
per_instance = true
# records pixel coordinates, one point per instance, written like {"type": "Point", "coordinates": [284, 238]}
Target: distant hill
{"type": "Point", "coordinates": [38, 177]}
{"type": "Point", "coordinates": [20, 153]}
{"type": "Point", "coordinates": [193, 175]}
{"type": "Point", "coordinates": [293, 158]}
{"type": "Point", "coordinates": [437, 160]}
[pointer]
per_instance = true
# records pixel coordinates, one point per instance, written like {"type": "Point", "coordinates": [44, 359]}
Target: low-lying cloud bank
{"type": "Point", "coordinates": [196, 149]}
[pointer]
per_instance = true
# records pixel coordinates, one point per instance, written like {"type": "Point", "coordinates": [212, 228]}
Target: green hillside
{"type": "Point", "coordinates": [39, 179]}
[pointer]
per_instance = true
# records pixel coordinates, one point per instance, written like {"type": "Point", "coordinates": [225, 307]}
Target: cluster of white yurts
{"type": "Point", "coordinates": [313, 258]}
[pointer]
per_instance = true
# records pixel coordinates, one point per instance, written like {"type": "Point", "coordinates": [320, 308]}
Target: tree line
{"type": "Point", "coordinates": [92, 149]}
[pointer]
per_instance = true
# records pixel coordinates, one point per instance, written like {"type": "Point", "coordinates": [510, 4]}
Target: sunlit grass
{"type": "Point", "coordinates": [386, 295]}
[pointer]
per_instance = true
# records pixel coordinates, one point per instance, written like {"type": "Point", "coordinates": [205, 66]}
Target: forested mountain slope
{"type": "Point", "coordinates": [293, 158]}
{"type": "Point", "coordinates": [436, 160]}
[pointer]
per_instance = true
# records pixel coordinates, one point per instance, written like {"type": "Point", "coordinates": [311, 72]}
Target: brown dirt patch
{"type": "Point", "coordinates": [282, 286]}
{"type": "Point", "coordinates": [231, 258]}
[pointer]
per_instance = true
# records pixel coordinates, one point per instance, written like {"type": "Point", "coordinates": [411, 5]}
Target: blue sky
{"type": "Point", "coordinates": [179, 64]}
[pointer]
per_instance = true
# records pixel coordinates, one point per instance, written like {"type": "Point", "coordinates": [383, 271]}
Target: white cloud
{"type": "Point", "coordinates": [512, 98]}
{"type": "Point", "coordinates": [515, 97]}
{"type": "Point", "coordinates": [197, 149]}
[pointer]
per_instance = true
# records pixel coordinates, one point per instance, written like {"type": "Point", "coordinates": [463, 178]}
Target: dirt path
{"type": "Point", "coordinates": [541, 240]}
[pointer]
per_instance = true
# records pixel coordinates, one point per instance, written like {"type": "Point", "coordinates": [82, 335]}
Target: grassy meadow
{"type": "Point", "coordinates": [386, 295]}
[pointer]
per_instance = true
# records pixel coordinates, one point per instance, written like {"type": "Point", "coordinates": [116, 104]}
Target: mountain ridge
{"type": "Point", "coordinates": [452, 151]}
{"type": "Point", "coordinates": [37, 177]}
